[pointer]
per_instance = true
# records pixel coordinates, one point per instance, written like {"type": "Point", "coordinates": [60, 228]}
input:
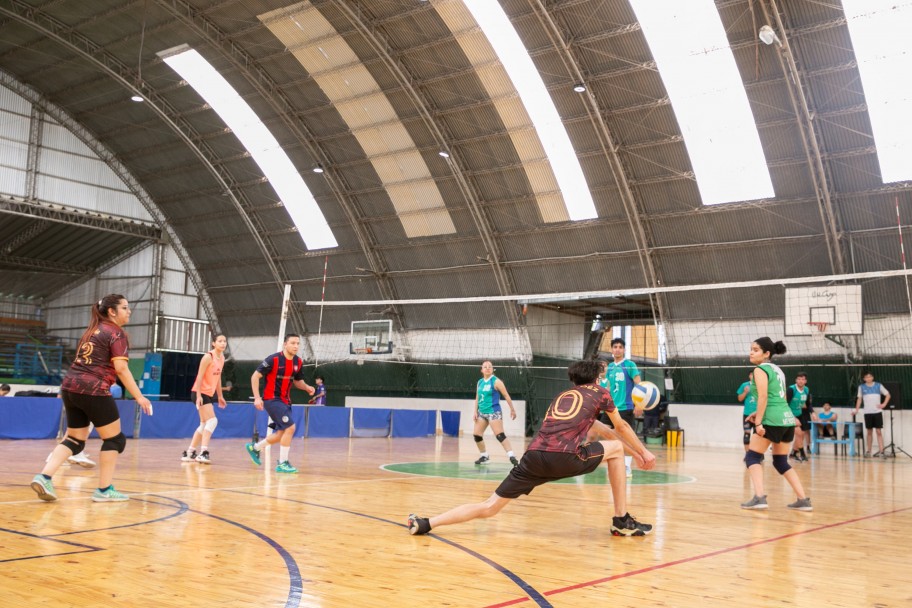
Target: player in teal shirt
{"type": "Point", "coordinates": [487, 412]}
{"type": "Point", "coordinates": [798, 396]}
{"type": "Point", "coordinates": [775, 426]}
{"type": "Point", "coordinates": [621, 374]}
{"type": "Point", "coordinates": [750, 406]}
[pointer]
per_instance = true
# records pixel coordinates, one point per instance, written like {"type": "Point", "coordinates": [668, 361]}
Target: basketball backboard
{"type": "Point", "coordinates": [838, 307]}
{"type": "Point", "coordinates": [371, 337]}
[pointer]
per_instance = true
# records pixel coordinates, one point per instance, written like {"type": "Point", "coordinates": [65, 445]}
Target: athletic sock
{"type": "Point", "coordinates": [48, 477]}
{"type": "Point", "coordinates": [283, 453]}
{"type": "Point", "coordinates": [105, 489]}
{"type": "Point", "coordinates": [203, 448]}
{"type": "Point", "coordinates": [510, 454]}
{"type": "Point", "coordinates": [259, 446]}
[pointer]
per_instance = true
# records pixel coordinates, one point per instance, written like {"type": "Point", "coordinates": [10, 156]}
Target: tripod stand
{"type": "Point", "coordinates": [892, 445]}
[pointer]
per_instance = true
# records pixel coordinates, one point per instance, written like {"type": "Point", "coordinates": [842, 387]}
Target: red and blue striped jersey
{"type": "Point", "coordinates": [280, 373]}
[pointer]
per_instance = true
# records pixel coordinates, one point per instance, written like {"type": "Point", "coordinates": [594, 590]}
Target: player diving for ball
{"type": "Point", "coordinates": [570, 442]}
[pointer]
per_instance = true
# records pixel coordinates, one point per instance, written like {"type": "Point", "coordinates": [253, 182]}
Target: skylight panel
{"type": "Point", "coordinates": [540, 107]}
{"type": "Point", "coordinates": [256, 138]}
{"type": "Point", "coordinates": [880, 35]}
{"type": "Point", "coordinates": [707, 95]}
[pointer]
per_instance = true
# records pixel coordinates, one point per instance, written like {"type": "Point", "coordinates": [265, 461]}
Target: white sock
{"type": "Point", "coordinates": [259, 446]}
{"type": "Point", "coordinates": [510, 454]}
{"type": "Point", "coordinates": [191, 449]}
{"type": "Point", "coordinates": [283, 453]}
{"type": "Point", "coordinates": [204, 448]}
{"type": "Point", "coordinates": [628, 460]}
{"type": "Point", "coordinates": [485, 454]}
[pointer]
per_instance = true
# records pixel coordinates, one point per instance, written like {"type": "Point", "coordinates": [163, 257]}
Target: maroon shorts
{"type": "Point", "coordinates": [537, 468]}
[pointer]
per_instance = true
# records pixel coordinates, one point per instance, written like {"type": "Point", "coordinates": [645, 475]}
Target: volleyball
{"type": "Point", "coordinates": [645, 395]}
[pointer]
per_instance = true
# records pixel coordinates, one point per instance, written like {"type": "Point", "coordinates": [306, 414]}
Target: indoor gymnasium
{"type": "Point", "coordinates": [475, 303]}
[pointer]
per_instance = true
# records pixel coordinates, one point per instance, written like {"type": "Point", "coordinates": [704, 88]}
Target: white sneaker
{"type": "Point", "coordinates": [82, 460]}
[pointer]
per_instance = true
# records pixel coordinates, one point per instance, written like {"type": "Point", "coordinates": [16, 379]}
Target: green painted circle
{"type": "Point", "coordinates": [497, 472]}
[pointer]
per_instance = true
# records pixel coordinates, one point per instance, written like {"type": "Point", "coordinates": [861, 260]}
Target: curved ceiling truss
{"type": "Point", "coordinates": [103, 153]}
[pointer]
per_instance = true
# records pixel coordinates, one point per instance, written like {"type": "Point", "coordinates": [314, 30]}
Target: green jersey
{"type": "Point", "coordinates": [799, 399]}
{"type": "Point", "coordinates": [777, 411]}
{"type": "Point", "coordinates": [488, 396]}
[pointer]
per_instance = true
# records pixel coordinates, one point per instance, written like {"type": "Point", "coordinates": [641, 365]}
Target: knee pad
{"type": "Point", "coordinates": [116, 443]}
{"type": "Point", "coordinates": [211, 424]}
{"type": "Point", "coordinates": [752, 458]}
{"type": "Point", "coordinates": [478, 438]}
{"type": "Point", "coordinates": [501, 436]}
{"type": "Point", "coordinates": [781, 463]}
{"type": "Point", "coordinates": [201, 428]}
{"type": "Point", "coordinates": [75, 445]}
{"type": "Point", "coordinates": [747, 437]}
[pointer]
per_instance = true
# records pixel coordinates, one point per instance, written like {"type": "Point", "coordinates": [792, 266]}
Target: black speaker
{"type": "Point", "coordinates": [896, 398]}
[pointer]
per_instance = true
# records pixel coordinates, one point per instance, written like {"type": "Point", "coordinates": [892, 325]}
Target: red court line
{"type": "Point", "coordinates": [698, 557]}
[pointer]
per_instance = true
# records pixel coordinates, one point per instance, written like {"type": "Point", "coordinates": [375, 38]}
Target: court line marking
{"type": "Point", "coordinates": [532, 593]}
{"type": "Point", "coordinates": [85, 548]}
{"type": "Point", "coordinates": [702, 556]}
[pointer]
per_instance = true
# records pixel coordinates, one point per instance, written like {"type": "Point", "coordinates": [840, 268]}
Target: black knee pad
{"type": "Point", "coordinates": [116, 443]}
{"type": "Point", "coordinates": [75, 445]}
{"type": "Point", "coordinates": [752, 458]}
{"type": "Point", "coordinates": [501, 436]}
{"type": "Point", "coordinates": [478, 438]}
{"type": "Point", "coordinates": [747, 437]}
{"type": "Point", "coordinates": [781, 463]}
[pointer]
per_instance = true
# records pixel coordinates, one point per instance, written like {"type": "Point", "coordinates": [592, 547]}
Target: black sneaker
{"type": "Point", "coordinates": [513, 461]}
{"type": "Point", "coordinates": [188, 456]}
{"type": "Point", "coordinates": [418, 526]}
{"type": "Point", "coordinates": [628, 526]}
{"type": "Point", "coordinates": [483, 460]}
{"type": "Point", "coordinates": [204, 457]}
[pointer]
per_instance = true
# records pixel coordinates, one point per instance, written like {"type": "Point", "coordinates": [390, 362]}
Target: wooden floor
{"type": "Point", "coordinates": [232, 534]}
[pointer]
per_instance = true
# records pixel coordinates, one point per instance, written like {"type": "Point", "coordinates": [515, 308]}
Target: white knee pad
{"type": "Point", "coordinates": [201, 428]}
{"type": "Point", "coordinates": [211, 424]}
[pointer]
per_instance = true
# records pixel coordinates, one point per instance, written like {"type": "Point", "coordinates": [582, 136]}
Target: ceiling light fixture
{"type": "Point", "coordinates": [768, 36]}
{"type": "Point", "coordinates": [317, 169]}
{"type": "Point", "coordinates": [444, 154]}
{"type": "Point", "coordinates": [579, 87]}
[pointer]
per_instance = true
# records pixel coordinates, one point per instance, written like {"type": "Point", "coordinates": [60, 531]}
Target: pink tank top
{"type": "Point", "coordinates": [212, 378]}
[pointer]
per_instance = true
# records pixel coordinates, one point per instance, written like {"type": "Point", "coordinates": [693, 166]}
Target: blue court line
{"type": "Point", "coordinates": [84, 548]}
{"type": "Point", "coordinates": [534, 595]}
{"type": "Point", "coordinates": [296, 583]}
{"type": "Point", "coordinates": [183, 508]}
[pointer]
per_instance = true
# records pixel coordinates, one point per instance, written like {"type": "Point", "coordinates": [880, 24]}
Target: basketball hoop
{"type": "Point", "coordinates": [821, 327]}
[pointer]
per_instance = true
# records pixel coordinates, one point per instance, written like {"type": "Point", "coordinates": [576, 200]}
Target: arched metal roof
{"type": "Point", "coordinates": [831, 212]}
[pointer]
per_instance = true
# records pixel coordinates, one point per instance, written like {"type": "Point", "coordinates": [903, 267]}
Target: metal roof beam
{"type": "Point", "coordinates": [76, 217]}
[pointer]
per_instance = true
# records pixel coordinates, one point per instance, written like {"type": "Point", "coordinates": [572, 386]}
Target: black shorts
{"type": "Point", "coordinates": [100, 410]}
{"type": "Point", "coordinates": [778, 434]}
{"type": "Point", "coordinates": [538, 467]}
{"type": "Point", "coordinates": [206, 398]}
{"type": "Point", "coordinates": [874, 421]}
{"type": "Point", "coordinates": [805, 420]}
{"type": "Point", "coordinates": [827, 430]}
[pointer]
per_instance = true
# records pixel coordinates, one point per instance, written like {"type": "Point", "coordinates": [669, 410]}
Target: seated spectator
{"type": "Point", "coordinates": [5, 390]}
{"type": "Point", "coordinates": [652, 418]}
{"type": "Point", "coordinates": [827, 415]}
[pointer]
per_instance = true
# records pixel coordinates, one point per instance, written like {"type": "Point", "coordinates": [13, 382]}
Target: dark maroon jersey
{"type": "Point", "coordinates": [569, 418]}
{"type": "Point", "coordinates": [280, 374]}
{"type": "Point", "coordinates": [92, 373]}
